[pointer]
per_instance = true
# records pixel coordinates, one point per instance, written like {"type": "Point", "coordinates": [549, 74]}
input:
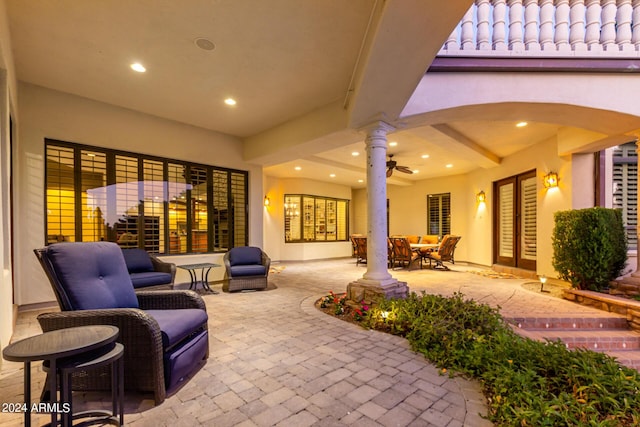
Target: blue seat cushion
{"type": "Point", "coordinates": [137, 260]}
{"type": "Point", "coordinates": [176, 325]}
{"type": "Point", "coordinates": [150, 278]}
{"type": "Point", "coordinates": [245, 255]}
{"type": "Point", "coordinates": [248, 270]}
{"type": "Point", "coordinates": [94, 275]}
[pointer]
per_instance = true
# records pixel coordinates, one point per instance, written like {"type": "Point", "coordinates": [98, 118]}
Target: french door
{"type": "Point", "coordinates": [515, 221]}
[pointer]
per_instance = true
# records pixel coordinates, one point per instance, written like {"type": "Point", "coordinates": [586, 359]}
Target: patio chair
{"type": "Point", "coordinates": [361, 249]}
{"type": "Point", "coordinates": [412, 238]}
{"type": "Point", "coordinates": [429, 238]}
{"type": "Point", "coordinates": [148, 271]}
{"type": "Point", "coordinates": [164, 333]}
{"type": "Point", "coordinates": [403, 254]}
{"type": "Point", "coordinates": [354, 247]}
{"type": "Point", "coordinates": [444, 253]}
{"type": "Point", "coordinates": [247, 269]}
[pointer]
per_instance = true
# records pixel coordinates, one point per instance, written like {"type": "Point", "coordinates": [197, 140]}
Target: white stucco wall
{"type": "Point", "coordinates": [8, 101]}
{"type": "Point", "coordinates": [274, 244]}
{"type": "Point", "coordinates": [50, 114]}
{"type": "Point", "coordinates": [473, 221]}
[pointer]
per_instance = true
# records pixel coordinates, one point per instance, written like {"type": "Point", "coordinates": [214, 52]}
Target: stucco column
{"type": "Point", "coordinates": [376, 281]}
{"type": "Point", "coordinates": [376, 147]}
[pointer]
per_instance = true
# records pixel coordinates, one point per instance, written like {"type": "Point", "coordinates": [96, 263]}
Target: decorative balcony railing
{"type": "Point", "coordinates": [548, 28]}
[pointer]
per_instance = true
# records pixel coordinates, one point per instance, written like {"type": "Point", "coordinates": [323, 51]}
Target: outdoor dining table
{"type": "Point", "coordinates": [425, 246]}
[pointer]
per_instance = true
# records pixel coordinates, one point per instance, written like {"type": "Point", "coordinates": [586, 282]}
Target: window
{"type": "Point", "coordinates": [315, 219]}
{"type": "Point", "coordinates": [439, 214]}
{"type": "Point", "coordinates": [625, 188]}
{"type": "Point", "coordinates": [161, 205]}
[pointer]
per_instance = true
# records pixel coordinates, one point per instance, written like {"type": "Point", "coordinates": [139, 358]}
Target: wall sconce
{"type": "Point", "coordinates": [267, 202]}
{"type": "Point", "coordinates": [481, 197]}
{"type": "Point", "coordinates": [550, 180]}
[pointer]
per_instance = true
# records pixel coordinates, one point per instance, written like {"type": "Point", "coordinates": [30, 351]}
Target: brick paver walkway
{"type": "Point", "coordinates": [277, 361]}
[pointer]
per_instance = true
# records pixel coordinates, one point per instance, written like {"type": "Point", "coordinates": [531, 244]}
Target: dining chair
{"type": "Point", "coordinates": [403, 254]}
{"type": "Point", "coordinates": [361, 249]}
{"type": "Point", "coordinates": [444, 253]}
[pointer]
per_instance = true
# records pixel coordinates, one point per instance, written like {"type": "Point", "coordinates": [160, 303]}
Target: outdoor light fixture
{"type": "Point", "coordinates": [481, 197]}
{"type": "Point", "coordinates": [543, 280]}
{"type": "Point", "coordinates": [551, 180]}
{"type": "Point", "coordinates": [267, 202]}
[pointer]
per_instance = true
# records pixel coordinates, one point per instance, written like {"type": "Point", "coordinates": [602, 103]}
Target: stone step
{"type": "Point", "coordinates": [597, 340]}
{"type": "Point", "coordinates": [572, 323]}
{"type": "Point", "coordinates": [630, 359]}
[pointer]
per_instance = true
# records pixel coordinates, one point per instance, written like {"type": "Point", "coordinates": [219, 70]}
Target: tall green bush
{"type": "Point", "coordinates": [589, 247]}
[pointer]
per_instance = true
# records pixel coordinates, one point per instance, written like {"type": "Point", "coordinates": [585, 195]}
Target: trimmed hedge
{"type": "Point", "coordinates": [589, 247]}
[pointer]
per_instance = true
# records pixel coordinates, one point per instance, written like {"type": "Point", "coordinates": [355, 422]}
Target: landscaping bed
{"type": "Point", "coordinates": [526, 382]}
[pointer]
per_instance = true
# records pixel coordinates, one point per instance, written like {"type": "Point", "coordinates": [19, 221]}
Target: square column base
{"type": "Point", "coordinates": [370, 291]}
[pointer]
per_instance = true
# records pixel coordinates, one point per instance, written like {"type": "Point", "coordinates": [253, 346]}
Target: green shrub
{"type": "Point", "coordinates": [527, 383]}
{"type": "Point", "coordinates": [589, 247]}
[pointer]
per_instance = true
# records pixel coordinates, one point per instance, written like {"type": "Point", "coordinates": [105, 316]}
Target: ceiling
{"type": "Point", "coordinates": [280, 59]}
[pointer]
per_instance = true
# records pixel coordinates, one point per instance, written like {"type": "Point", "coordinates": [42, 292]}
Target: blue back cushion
{"type": "Point", "coordinates": [93, 275]}
{"type": "Point", "coordinates": [137, 260]}
{"type": "Point", "coordinates": [245, 255]}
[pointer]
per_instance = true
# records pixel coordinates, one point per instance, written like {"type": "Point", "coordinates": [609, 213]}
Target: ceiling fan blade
{"type": "Point", "coordinates": [389, 172]}
{"type": "Point", "coordinates": [404, 169]}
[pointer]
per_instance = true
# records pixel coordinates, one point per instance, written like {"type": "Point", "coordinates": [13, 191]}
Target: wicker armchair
{"type": "Point", "coordinates": [247, 269]}
{"type": "Point", "coordinates": [146, 270]}
{"type": "Point", "coordinates": [164, 333]}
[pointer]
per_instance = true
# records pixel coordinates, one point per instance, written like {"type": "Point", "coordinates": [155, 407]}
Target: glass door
{"type": "Point", "coordinates": [515, 221]}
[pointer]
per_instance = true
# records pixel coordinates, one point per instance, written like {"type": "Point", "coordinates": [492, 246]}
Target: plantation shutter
{"type": "Point", "coordinates": [625, 188]}
{"type": "Point", "coordinates": [528, 211]}
{"type": "Point", "coordinates": [439, 214]}
{"type": "Point", "coordinates": [505, 228]}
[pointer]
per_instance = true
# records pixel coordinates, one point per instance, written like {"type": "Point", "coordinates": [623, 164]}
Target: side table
{"type": "Point", "coordinates": [110, 355]}
{"type": "Point", "coordinates": [51, 347]}
{"type": "Point", "coordinates": [204, 274]}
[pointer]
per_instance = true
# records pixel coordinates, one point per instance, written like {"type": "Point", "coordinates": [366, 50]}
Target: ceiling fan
{"type": "Point", "coordinates": [392, 164]}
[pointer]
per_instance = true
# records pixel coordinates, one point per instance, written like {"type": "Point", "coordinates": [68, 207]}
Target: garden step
{"type": "Point", "coordinates": [627, 358]}
{"type": "Point", "coordinates": [596, 340]}
{"type": "Point", "coordinates": [566, 323]}
{"type": "Point", "coordinates": [609, 334]}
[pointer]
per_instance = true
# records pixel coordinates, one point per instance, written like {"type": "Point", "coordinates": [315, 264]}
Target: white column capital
{"type": "Point", "coordinates": [377, 129]}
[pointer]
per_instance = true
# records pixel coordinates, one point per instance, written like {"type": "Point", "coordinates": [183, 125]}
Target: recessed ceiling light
{"type": "Point", "coordinates": [298, 168]}
{"type": "Point", "coordinates": [393, 144]}
{"type": "Point", "coordinates": [230, 101]}
{"type": "Point", "coordinates": [361, 181]}
{"type": "Point", "coordinates": [425, 156]}
{"type": "Point", "coordinates": [333, 175]}
{"type": "Point", "coordinates": [355, 153]}
{"type": "Point", "coordinates": [415, 171]}
{"type": "Point", "coordinates": [136, 66]}
{"type": "Point", "coordinates": [521, 124]}
{"type": "Point", "coordinates": [449, 165]}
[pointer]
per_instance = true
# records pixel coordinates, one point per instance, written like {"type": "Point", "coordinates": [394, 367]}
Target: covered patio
{"type": "Point", "coordinates": [277, 360]}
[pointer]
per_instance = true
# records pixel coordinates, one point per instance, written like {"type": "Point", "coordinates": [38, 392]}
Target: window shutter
{"type": "Point", "coordinates": [505, 236]}
{"type": "Point", "coordinates": [439, 214]}
{"type": "Point", "coordinates": [625, 188]}
{"type": "Point", "coordinates": [528, 211]}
